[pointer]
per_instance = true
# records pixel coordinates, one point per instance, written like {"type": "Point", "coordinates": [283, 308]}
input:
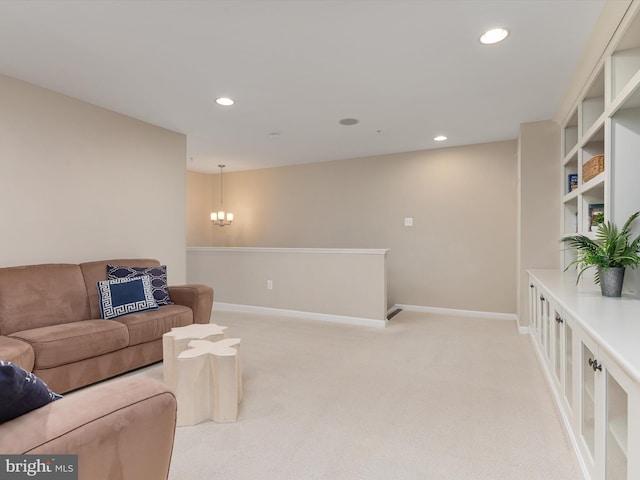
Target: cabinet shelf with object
{"type": "Point", "coordinates": [571, 175]}
{"type": "Point", "coordinates": [605, 124]}
{"type": "Point", "coordinates": [584, 162]}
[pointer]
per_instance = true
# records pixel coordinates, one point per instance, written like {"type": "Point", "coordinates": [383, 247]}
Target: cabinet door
{"type": "Point", "coordinates": [564, 347]}
{"type": "Point", "coordinates": [617, 421]}
{"type": "Point", "coordinates": [545, 332]}
{"type": "Point", "coordinates": [542, 315]}
{"type": "Point", "coordinates": [609, 416]}
{"type": "Point", "coordinates": [590, 391]}
{"type": "Point", "coordinates": [621, 423]}
{"type": "Point", "coordinates": [533, 310]}
{"type": "Point", "coordinates": [556, 343]}
{"type": "Point", "coordinates": [567, 366]}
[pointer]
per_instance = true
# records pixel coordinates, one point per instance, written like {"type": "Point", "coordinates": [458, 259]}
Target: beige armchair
{"type": "Point", "coordinates": [121, 429]}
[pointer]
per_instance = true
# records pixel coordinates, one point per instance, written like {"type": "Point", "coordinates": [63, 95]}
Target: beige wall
{"type": "Point", "coordinates": [539, 204]}
{"type": "Point", "coordinates": [460, 254]}
{"type": "Point", "coordinates": [80, 183]}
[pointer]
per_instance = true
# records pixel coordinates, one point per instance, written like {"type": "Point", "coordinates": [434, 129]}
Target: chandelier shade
{"type": "Point", "coordinates": [221, 218]}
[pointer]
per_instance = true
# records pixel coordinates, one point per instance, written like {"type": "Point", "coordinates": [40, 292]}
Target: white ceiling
{"type": "Point", "coordinates": [408, 70]}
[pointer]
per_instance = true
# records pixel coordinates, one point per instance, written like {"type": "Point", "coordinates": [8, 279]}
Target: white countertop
{"type": "Point", "coordinates": [613, 323]}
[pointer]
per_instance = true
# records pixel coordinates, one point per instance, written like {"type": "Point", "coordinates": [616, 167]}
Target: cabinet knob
{"type": "Point", "coordinates": [542, 297]}
{"type": "Point", "coordinates": [595, 365]}
{"type": "Point", "coordinates": [559, 319]}
{"type": "Point", "coordinates": [531, 285]}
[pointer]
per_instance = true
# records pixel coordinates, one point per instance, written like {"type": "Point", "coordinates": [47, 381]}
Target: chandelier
{"type": "Point", "coordinates": [221, 218]}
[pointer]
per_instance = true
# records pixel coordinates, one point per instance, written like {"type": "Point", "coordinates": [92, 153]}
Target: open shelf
{"type": "Point", "coordinates": [605, 121]}
{"type": "Point", "coordinates": [593, 104]}
{"type": "Point", "coordinates": [571, 196]}
{"type": "Point", "coordinates": [594, 135]}
{"type": "Point", "coordinates": [629, 96]}
{"type": "Point", "coordinates": [570, 168]}
{"type": "Point", "coordinates": [570, 133]}
{"type": "Point", "coordinates": [625, 59]}
{"type": "Point", "coordinates": [625, 130]}
{"type": "Point", "coordinates": [595, 186]}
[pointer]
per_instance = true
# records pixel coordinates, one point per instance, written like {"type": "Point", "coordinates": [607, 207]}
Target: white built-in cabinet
{"type": "Point", "coordinates": [587, 344]}
{"type": "Point", "coordinates": [605, 121]}
{"type": "Point", "coordinates": [553, 333]}
{"type": "Point", "coordinates": [589, 347]}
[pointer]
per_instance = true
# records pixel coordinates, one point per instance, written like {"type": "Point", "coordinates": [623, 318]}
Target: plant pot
{"type": "Point", "coordinates": [611, 280]}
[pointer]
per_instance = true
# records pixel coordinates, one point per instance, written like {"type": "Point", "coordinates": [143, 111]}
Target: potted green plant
{"type": "Point", "coordinates": [598, 218]}
{"type": "Point", "coordinates": [610, 253]}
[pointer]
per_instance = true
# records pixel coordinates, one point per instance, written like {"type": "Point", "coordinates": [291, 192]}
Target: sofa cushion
{"type": "Point", "coordinates": [148, 326]}
{"type": "Point", "coordinates": [122, 296]}
{"type": "Point", "coordinates": [158, 279]}
{"type": "Point", "coordinates": [21, 391]}
{"type": "Point", "coordinates": [62, 344]}
{"type": "Point", "coordinates": [39, 295]}
{"type": "Point", "coordinates": [93, 272]}
{"type": "Point", "coordinates": [17, 352]}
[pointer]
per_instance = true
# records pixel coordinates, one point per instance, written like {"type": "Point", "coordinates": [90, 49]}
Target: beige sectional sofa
{"type": "Point", "coordinates": [122, 429]}
{"type": "Point", "coordinates": [50, 323]}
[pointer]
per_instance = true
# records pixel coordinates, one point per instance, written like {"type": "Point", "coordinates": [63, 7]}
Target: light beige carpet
{"type": "Point", "coordinates": [429, 397]}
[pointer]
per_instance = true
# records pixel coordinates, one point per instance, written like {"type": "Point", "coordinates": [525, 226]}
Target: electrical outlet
{"type": "Point", "coordinates": [269, 284]}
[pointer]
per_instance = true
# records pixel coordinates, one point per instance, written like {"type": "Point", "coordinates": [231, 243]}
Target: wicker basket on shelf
{"type": "Point", "coordinates": [592, 167]}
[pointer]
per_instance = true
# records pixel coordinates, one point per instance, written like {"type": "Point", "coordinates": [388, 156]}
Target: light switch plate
{"type": "Point", "coordinates": [408, 222]}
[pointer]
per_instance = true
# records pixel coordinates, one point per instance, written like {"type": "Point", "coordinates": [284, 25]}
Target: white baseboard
{"type": "Point", "coordinates": [324, 317]}
{"type": "Point", "coordinates": [366, 322]}
{"type": "Point", "coordinates": [463, 313]}
{"type": "Point", "coordinates": [456, 312]}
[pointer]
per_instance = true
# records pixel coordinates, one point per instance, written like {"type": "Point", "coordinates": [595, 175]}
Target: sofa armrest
{"type": "Point", "coordinates": [17, 351]}
{"type": "Point", "coordinates": [120, 429]}
{"type": "Point", "coordinates": [198, 298]}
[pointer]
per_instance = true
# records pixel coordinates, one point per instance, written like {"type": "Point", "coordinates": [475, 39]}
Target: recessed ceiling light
{"type": "Point", "coordinates": [349, 121]}
{"type": "Point", "coordinates": [440, 138]}
{"type": "Point", "coordinates": [225, 101]}
{"type": "Point", "coordinates": [494, 35]}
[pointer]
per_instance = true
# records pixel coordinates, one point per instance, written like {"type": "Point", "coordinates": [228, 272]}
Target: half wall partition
{"type": "Point", "coordinates": [340, 285]}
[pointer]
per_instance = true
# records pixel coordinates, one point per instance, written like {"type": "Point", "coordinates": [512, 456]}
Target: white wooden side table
{"type": "Point", "coordinates": [209, 382]}
{"type": "Point", "coordinates": [177, 340]}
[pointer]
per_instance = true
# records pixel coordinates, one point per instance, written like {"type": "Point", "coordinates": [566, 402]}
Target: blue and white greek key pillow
{"type": "Point", "coordinates": [121, 296]}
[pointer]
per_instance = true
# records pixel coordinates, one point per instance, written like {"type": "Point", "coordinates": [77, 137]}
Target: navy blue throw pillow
{"type": "Point", "coordinates": [158, 279]}
{"type": "Point", "coordinates": [21, 391]}
{"type": "Point", "coordinates": [125, 295]}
